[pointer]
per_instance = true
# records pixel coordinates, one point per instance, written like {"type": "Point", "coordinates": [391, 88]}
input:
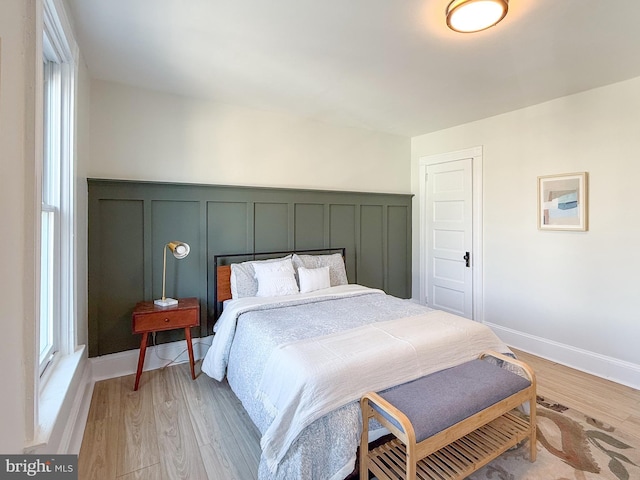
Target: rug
{"type": "Point", "coordinates": [571, 446]}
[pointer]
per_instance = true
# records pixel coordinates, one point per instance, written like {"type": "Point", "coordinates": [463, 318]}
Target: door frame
{"type": "Point", "coordinates": [475, 154]}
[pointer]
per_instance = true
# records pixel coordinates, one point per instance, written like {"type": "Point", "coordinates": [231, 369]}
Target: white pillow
{"type": "Point", "coordinates": [335, 263]}
{"type": "Point", "coordinates": [243, 277]}
{"type": "Point", "coordinates": [275, 278]}
{"type": "Point", "coordinates": [312, 279]}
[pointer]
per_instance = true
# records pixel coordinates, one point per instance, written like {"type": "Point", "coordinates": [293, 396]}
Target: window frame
{"type": "Point", "coordinates": [56, 189]}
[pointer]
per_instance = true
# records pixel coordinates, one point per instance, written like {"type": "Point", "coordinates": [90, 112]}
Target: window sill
{"type": "Point", "coordinates": [56, 400]}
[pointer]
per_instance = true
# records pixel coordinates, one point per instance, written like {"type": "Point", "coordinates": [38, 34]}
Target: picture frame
{"type": "Point", "coordinates": [562, 202]}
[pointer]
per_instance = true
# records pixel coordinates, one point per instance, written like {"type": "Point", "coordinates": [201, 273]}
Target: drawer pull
{"type": "Point", "coordinates": [166, 320]}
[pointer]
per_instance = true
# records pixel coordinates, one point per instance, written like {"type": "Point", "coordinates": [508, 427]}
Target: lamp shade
{"type": "Point", "coordinates": [467, 16]}
{"type": "Point", "coordinates": [179, 250]}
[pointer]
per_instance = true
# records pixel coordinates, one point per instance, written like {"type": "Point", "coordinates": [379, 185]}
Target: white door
{"type": "Point", "coordinates": [449, 237]}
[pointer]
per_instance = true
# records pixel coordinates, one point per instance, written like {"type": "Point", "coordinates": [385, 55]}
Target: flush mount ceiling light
{"type": "Point", "coordinates": [468, 16]}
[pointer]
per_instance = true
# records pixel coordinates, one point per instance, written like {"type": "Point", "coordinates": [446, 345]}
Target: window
{"type": "Point", "coordinates": [57, 223]}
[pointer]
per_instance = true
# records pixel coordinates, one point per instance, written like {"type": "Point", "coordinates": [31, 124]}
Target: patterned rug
{"type": "Point", "coordinates": [571, 446]}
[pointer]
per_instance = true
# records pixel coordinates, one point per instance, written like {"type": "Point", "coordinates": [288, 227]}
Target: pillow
{"type": "Point", "coordinates": [312, 279]}
{"type": "Point", "coordinates": [335, 262]}
{"type": "Point", "coordinates": [275, 278]}
{"type": "Point", "coordinates": [243, 277]}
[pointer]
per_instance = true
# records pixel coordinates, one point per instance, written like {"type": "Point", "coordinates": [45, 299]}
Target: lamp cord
{"type": "Point", "coordinates": [169, 360]}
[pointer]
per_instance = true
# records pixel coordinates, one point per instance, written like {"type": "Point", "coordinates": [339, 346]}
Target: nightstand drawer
{"type": "Point", "coordinates": [156, 321]}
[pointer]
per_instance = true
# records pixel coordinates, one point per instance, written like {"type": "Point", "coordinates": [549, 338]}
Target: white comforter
{"type": "Point", "coordinates": [306, 379]}
{"type": "Point", "coordinates": [217, 357]}
{"type": "Point", "coordinates": [337, 368]}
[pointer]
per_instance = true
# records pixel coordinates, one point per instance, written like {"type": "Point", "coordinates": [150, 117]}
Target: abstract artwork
{"type": "Point", "coordinates": [562, 202]}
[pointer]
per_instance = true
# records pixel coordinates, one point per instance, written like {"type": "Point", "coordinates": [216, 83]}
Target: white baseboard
{"type": "Point", "coordinates": [126, 363]}
{"type": "Point", "coordinates": [616, 370]}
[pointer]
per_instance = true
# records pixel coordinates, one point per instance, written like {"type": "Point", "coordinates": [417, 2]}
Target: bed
{"type": "Point", "coordinates": [299, 346]}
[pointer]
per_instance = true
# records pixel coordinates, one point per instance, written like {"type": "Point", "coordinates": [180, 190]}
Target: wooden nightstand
{"type": "Point", "coordinates": [148, 318]}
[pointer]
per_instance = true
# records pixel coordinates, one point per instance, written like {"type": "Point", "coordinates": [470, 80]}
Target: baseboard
{"type": "Point", "coordinates": [126, 363]}
{"type": "Point", "coordinates": [616, 370]}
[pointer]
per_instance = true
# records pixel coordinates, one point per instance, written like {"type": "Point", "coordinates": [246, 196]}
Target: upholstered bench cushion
{"type": "Point", "coordinates": [442, 399]}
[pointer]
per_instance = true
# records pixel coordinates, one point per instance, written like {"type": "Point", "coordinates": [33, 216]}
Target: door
{"type": "Point", "coordinates": [449, 236]}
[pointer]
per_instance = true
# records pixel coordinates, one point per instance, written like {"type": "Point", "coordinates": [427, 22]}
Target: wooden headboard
{"type": "Point", "coordinates": [223, 272]}
{"type": "Point", "coordinates": [223, 283]}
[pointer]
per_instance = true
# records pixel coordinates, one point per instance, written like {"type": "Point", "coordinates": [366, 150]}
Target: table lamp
{"type": "Point", "coordinates": [179, 250]}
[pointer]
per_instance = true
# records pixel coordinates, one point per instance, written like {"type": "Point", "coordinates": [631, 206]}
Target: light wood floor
{"type": "Point", "coordinates": [174, 427]}
{"type": "Point", "coordinates": [602, 399]}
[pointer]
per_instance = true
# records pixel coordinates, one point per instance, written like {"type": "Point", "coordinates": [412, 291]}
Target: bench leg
{"type": "Point", "coordinates": [364, 464]}
{"type": "Point", "coordinates": [533, 436]}
{"type": "Point", "coordinates": [364, 441]}
{"type": "Point", "coordinates": [412, 460]}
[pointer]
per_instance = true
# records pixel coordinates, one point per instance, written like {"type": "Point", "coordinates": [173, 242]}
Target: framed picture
{"type": "Point", "coordinates": [562, 202]}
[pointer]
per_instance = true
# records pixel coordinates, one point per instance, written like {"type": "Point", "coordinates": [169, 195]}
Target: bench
{"type": "Point", "coordinates": [449, 424]}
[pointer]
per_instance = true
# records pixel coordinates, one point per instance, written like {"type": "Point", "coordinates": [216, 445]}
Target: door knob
{"type": "Point", "coordinates": [467, 259]}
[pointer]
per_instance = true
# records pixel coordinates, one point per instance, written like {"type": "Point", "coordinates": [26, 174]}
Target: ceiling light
{"type": "Point", "coordinates": [468, 16]}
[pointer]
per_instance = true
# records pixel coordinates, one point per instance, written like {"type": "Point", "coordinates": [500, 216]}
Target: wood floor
{"type": "Point", "coordinates": [176, 428]}
{"type": "Point", "coordinates": [607, 401]}
{"type": "Point", "coordinates": [172, 428]}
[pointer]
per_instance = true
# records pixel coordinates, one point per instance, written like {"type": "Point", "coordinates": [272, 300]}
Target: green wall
{"type": "Point", "coordinates": [130, 222]}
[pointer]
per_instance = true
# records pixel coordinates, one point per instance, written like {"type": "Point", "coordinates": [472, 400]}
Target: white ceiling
{"type": "Point", "coordinates": [386, 65]}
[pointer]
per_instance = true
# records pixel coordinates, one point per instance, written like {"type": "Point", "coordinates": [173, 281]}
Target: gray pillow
{"type": "Point", "coordinates": [243, 277]}
{"type": "Point", "coordinates": [335, 262]}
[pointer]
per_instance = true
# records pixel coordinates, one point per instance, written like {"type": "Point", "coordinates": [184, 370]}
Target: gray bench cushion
{"type": "Point", "coordinates": [442, 399]}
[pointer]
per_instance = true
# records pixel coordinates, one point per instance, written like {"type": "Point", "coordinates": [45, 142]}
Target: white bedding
{"type": "Point", "coordinates": [217, 357]}
{"type": "Point", "coordinates": [308, 419]}
{"type": "Point", "coordinates": [306, 379]}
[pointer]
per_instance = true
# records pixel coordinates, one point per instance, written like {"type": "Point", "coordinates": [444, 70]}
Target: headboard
{"type": "Point", "coordinates": [222, 268]}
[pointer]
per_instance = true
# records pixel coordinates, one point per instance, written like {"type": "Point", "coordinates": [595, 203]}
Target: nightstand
{"type": "Point", "coordinates": [148, 317]}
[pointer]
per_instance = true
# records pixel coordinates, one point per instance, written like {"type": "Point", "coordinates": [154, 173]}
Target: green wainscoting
{"type": "Point", "coordinates": [131, 221]}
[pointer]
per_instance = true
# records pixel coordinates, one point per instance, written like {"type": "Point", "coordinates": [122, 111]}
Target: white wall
{"type": "Point", "coordinates": [145, 135]}
{"type": "Point", "coordinates": [19, 21]}
{"type": "Point", "coordinates": [16, 220]}
{"type": "Point", "coordinates": [565, 294]}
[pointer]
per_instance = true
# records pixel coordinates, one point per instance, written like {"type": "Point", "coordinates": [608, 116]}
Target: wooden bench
{"type": "Point", "coordinates": [450, 423]}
